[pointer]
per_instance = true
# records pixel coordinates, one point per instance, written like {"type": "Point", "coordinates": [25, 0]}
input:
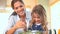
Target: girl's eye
{"type": "Point", "coordinates": [38, 17]}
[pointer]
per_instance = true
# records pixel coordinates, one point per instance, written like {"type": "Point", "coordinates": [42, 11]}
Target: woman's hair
{"type": "Point", "coordinates": [14, 1]}
{"type": "Point", "coordinates": [39, 9]}
{"type": "Point", "coordinates": [12, 5]}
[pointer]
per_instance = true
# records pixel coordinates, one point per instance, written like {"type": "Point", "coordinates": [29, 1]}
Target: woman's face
{"type": "Point", "coordinates": [36, 17]}
{"type": "Point", "coordinates": [19, 8]}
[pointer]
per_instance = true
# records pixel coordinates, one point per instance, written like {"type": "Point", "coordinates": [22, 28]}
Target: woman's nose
{"type": "Point", "coordinates": [20, 9]}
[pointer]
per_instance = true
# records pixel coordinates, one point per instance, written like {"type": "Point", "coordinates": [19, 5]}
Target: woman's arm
{"type": "Point", "coordinates": [12, 26]}
{"type": "Point", "coordinates": [19, 24]}
{"type": "Point", "coordinates": [11, 31]}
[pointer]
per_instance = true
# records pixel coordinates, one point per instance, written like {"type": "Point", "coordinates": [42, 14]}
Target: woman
{"type": "Point", "coordinates": [18, 19]}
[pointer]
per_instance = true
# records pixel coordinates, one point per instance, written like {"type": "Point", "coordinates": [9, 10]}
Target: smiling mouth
{"type": "Point", "coordinates": [21, 12]}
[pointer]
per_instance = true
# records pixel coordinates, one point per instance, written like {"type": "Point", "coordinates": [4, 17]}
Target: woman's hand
{"type": "Point", "coordinates": [20, 24]}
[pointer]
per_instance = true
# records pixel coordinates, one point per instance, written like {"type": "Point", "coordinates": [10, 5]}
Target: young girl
{"type": "Point", "coordinates": [38, 21]}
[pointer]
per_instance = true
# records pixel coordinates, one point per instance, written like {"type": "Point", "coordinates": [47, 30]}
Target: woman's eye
{"type": "Point", "coordinates": [21, 6]}
{"type": "Point", "coordinates": [16, 7]}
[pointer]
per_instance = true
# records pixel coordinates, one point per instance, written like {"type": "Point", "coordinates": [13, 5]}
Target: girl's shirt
{"type": "Point", "coordinates": [37, 27]}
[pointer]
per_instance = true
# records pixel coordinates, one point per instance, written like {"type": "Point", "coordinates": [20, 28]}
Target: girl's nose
{"type": "Point", "coordinates": [36, 19]}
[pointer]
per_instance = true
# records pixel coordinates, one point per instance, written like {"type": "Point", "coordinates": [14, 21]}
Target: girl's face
{"type": "Point", "coordinates": [36, 17]}
{"type": "Point", "coordinates": [19, 8]}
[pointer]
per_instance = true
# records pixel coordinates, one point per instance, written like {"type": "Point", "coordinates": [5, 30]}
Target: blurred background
{"type": "Point", "coordinates": [52, 8]}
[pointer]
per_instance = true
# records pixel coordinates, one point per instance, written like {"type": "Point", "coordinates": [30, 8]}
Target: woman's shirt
{"type": "Point", "coordinates": [14, 18]}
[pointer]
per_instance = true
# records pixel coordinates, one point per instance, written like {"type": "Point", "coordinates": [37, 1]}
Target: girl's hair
{"type": "Point", "coordinates": [12, 5]}
{"type": "Point", "coordinates": [39, 9]}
